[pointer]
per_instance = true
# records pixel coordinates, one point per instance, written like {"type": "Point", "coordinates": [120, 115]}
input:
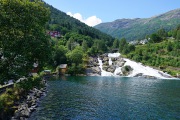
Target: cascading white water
{"type": "Point", "coordinates": [137, 68]}
{"type": "Point", "coordinates": [110, 61]}
{"type": "Point", "coordinates": [103, 72]}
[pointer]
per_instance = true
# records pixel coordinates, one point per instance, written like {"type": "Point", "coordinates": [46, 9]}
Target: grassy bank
{"type": "Point", "coordinates": [163, 56]}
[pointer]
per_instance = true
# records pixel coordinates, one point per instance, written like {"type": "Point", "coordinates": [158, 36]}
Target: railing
{"type": "Point", "coordinates": [3, 89]}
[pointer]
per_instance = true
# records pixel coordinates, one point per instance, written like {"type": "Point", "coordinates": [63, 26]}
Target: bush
{"type": "Point", "coordinates": [29, 83]}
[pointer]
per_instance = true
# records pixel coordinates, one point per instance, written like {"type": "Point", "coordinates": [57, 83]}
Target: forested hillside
{"type": "Point", "coordinates": [134, 29]}
{"type": "Point", "coordinates": [76, 42]}
{"type": "Point", "coordinates": [62, 22]}
{"type": "Point", "coordinates": [161, 51]}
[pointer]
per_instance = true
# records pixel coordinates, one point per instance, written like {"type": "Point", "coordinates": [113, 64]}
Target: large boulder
{"type": "Point", "coordinates": [106, 63]}
{"type": "Point", "coordinates": [93, 71]}
{"type": "Point", "coordinates": [111, 69]}
{"type": "Point", "coordinates": [93, 61]}
{"type": "Point", "coordinates": [126, 70]}
{"type": "Point", "coordinates": [119, 62]}
{"type": "Point", "coordinates": [105, 59]}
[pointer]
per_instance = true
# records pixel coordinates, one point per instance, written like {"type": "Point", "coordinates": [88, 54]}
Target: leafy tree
{"type": "Point", "coordinates": [115, 43]}
{"type": "Point", "coordinates": [174, 33]}
{"type": "Point", "coordinates": [60, 55]}
{"type": "Point", "coordinates": [178, 35]}
{"type": "Point", "coordinates": [84, 46]}
{"type": "Point", "coordinates": [155, 38]}
{"type": "Point", "coordinates": [162, 33]}
{"type": "Point", "coordinates": [122, 43]}
{"type": "Point", "coordinates": [22, 37]}
{"type": "Point", "coordinates": [169, 47]}
{"type": "Point", "coordinates": [125, 49]}
{"type": "Point", "coordinates": [76, 55]}
{"type": "Point", "coordinates": [131, 48]}
{"type": "Point", "coordinates": [100, 46]}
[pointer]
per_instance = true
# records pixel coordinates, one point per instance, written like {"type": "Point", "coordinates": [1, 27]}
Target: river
{"type": "Point", "coordinates": [109, 98]}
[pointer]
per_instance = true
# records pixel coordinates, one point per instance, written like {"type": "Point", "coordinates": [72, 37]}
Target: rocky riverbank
{"type": "Point", "coordinates": [29, 104]}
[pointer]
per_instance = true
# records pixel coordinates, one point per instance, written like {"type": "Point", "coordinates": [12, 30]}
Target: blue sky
{"type": "Point", "coordinates": [98, 11]}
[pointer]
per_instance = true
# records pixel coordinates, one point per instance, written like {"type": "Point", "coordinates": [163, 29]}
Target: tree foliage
{"type": "Point", "coordinates": [22, 37]}
{"type": "Point", "coordinates": [76, 55]}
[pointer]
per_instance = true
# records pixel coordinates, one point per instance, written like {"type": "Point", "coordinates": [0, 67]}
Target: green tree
{"type": "Point", "coordinates": [84, 46]}
{"type": "Point", "coordinates": [169, 47]}
{"type": "Point", "coordinates": [60, 55]}
{"type": "Point", "coordinates": [100, 46]}
{"type": "Point", "coordinates": [131, 48]}
{"type": "Point", "coordinates": [76, 55]}
{"type": "Point", "coordinates": [162, 33]}
{"type": "Point", "coordinates": [122, 43]}
{"type": "Point", "coordinates": [178, 35]}
{"type": "Point", "coordinates": [155, 38]}
{"type": "Point", "coordinates": [23, 37]}
{"type": "Point", "coordinates": [115, 43]}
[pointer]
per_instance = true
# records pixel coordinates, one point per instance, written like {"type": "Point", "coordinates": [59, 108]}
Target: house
{"type": "Point", "coordinates": [54, 34]}
{"type": "Point", "coordinates": [62, 69]}
{"type": "Point", "coordinates": [35, 69]}
{"type": "Point", "coordinates": [47, 72]}
{"type": "Point", "coordinates": [144, 41]}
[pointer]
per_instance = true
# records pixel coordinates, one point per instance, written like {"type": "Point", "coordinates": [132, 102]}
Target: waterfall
{"type": "Point", "coordinates": [138, 68]}
{"type": "Point", "coordinates": [103, 72]}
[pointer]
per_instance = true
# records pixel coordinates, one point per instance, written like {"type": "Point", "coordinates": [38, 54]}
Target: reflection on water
{"type": "Point", "coordinates": [107, 98]}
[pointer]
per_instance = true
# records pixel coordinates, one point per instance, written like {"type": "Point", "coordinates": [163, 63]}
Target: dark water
{"type": "Point", "coordinates": [110, 98]}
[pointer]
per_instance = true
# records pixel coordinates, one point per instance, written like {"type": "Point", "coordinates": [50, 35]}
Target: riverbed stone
{"type": "Point", "coordinates": [105, 59]}
{"type": "Point", "coordinates": [111, 69]}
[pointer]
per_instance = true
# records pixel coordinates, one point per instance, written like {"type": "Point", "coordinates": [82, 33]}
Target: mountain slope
{"type": "Point", "coordinates": [138, 28]}
{"type": "Point", "coordinates": [62, 22]}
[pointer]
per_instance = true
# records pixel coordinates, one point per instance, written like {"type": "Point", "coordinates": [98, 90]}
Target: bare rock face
{"type": "Point", "coordinates": [93, 62]}
{"type": "Point", "coordinates": [120, 62]}
{"type": "Point", "coordinates": [105, 67]}
{"type": "Point", "coordinates": [105, 59]}
{"type": "Point", "coordinates": [111, 69]}
{"type": "Point", "coordinates": [93, 71]}
{"type": "Point", "coordinates": [106, 63]}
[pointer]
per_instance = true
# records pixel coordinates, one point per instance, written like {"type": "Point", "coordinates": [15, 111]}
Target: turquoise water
{"type": "Point", "coordinates": [110, 98]}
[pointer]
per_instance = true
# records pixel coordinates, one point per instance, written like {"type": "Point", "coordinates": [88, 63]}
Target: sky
{"type": "Point", "coordinates": [93, 12]}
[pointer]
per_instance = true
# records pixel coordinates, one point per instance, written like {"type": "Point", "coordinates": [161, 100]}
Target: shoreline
{"type": "Point", "coordinates": [30, 103]}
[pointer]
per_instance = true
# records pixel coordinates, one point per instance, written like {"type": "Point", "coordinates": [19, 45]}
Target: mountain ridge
{"type": "Point", "coordinates": [138, 28]}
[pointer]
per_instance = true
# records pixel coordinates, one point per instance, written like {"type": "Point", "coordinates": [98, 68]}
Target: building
{"type": "Point", "coordinates": [35, 69]}
{"type": "Point", "coordinates": [62, 69]}
{"type": "Point", "coordinates": [54, 34]}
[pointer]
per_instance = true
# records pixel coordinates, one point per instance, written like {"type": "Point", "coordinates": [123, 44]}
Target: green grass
{"type": "Point", "coordinates": [159, 56]}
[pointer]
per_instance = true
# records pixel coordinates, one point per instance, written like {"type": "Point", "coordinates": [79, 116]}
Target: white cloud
{"type": "Point", "coordinates": [91, 21]}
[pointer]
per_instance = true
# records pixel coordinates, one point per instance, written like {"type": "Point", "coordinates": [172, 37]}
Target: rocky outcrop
{"type": "Point", "coordinates": [29, 105]}
{"type": "Point", "coordinates": [120, 62]}
{"type": "Point", "coordinates": [126, 70]}
{"type": "Point", "coordinates": [111, 69]}
{"type": "Point", "coordinates": [93, 67]}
